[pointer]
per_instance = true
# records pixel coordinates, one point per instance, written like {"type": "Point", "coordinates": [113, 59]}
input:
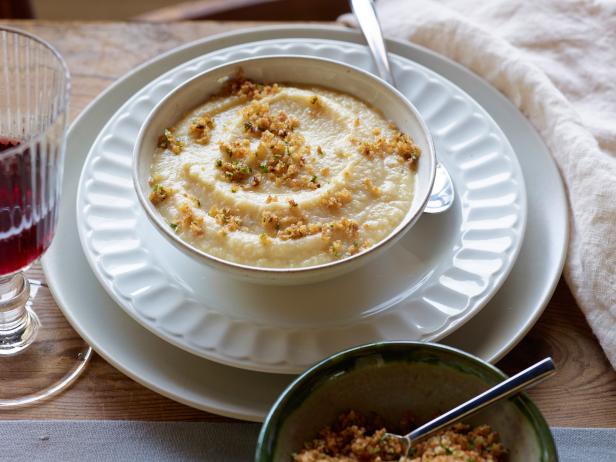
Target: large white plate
{"type": "Point", "coordinates": [247, 395]}
{"type": "Point", "coordinates": [436, 278]}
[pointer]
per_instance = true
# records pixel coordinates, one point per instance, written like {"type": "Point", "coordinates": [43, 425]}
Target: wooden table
{"type": "Point", "coordinates": [583, 393]}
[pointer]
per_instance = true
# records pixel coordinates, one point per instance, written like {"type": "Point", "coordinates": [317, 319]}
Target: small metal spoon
{"type": "Point", "coordinates": [443, 194]}
{"type": "Point", "coordinates": [512, 385]}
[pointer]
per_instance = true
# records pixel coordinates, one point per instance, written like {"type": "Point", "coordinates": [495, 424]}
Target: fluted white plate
{"type": "Point", "coordinates": [243, 394]}
{"type": "Point", "coordinates": [440, 275]}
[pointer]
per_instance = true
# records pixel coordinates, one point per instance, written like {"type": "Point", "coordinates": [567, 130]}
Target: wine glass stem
{"type": "Point", "coordinates": [18, 323]}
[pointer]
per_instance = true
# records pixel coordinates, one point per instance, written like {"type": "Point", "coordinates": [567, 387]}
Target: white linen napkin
{"type": "Point", "coordinates": [556, 61]}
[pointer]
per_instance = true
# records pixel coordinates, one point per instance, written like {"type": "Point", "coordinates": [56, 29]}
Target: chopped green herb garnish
{"type": "Point", "coordinates": [263, 167]}
{"type": "Point", "coordinates": [174, 226]}
{"type": "Point", "coordinates": [313, 179]}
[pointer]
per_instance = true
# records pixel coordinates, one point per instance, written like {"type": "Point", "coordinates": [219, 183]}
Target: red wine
{"type": "Point", "coordinates": [27, 206]}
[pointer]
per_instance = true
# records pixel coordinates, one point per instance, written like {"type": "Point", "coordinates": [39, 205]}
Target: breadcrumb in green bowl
{"type": "Point", "coordinates": [392, 380]}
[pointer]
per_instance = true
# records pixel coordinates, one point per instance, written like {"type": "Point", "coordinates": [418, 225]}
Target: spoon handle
{"type": "Point", "coordinates": [512, 385]}
{"type": "Point", "coordinates": [368, 22]}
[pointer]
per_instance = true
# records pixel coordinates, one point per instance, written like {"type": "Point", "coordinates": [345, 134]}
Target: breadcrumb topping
{"type": "Point", "coordinates": [257, 119]}
{"type": "Point", "coordinates": [241, 86]}
{"type": "Point", "coordinates": [337, 199]}
{"type": "Point", "coordinates": [201, 128]}
{"type": "Point", "coordinates": [225, 218]}
{"type": "Point", "coordinates": [189, 221]}
{"type": "Point", "coordinates": [299, 230]}
{"type": "Point", "coordinates": [159, 194]}
{"type": "Point", "coordinates": [315, 101]}
{"type": "Point", "coordinates": [279, 156]}
{"type": "Point", "coordinates": [358, 438]}
{"type": "Point", "coordinates": [235, 171]}
{"type": "Point", "coordinates": [270, 221]}
{"type": "Point", "coordinates": [398, 143]}
{"type": "Point", "coordinates": [236, 149]}
{"type": "Point", "coordinates": [169, 142]}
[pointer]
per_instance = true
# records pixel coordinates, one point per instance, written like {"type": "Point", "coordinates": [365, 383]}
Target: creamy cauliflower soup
{"type": "Point", "coordinates": [283, 175]}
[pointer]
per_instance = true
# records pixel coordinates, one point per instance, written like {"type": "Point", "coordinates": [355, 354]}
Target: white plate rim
{"type": "Point", "coordinates": [122, 88]}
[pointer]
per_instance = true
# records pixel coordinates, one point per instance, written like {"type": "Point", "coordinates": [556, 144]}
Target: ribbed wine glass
{"type": "Point", "coordinates": [39, 355]}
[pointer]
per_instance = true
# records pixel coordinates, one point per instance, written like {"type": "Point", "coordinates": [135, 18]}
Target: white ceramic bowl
{"type": "Point", "coordinates": [298, 70]}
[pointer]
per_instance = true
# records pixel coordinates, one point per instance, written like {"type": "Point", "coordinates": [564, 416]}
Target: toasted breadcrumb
{"type": "Point", "coordinates": [201, 128]}
{"type": "Point", "coordinates": [337, 199]}
{"type": "Point", "coordinates": [241, 86]}
{"type": "Point", "coordinates": [189, 221]}
{"type": "Point", "coordinates": [357, 438]}
{"type": "Point", "coordinates": [236, 149]}
{"type": "Point", "coordinates": [169, 141]}
{"type": "Point", "coordinates": [235, 171]}
{"type": "Point", "coordinates": [279, 156]}
{"type": "Point", "coordinates": [225, 218]}
{"type": "Point", "coordinates": [159, 194]}
{"type": "Point", "coordinates": [399, 143]}
{"type": "Point", "coordinates": [299, 230]}
{"type": "Point", "coordinates": [270, 221]}
{"type": "Point", "coordinates": [345, 236]}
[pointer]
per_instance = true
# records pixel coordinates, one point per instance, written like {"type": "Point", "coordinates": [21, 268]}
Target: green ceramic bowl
{"type": "Point", "coordinates": [391, 378]}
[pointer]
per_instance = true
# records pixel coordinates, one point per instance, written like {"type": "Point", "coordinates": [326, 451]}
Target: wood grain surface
{"type": "Point", "coordinates": [582, 394]}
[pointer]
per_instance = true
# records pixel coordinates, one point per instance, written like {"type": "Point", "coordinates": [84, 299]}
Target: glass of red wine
{"type": "Point", "coordinates": [40, 354]}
